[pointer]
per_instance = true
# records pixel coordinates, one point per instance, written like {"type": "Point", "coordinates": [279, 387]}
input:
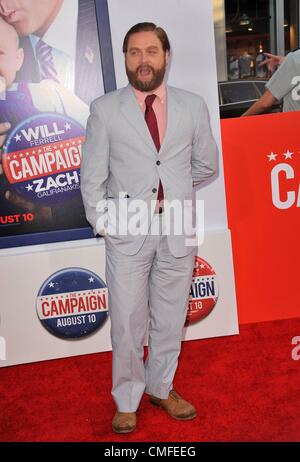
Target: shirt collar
{"type": "Point", "coordinates": [161, 92]}
{"type": "Point", "coordinates": [66, 19]}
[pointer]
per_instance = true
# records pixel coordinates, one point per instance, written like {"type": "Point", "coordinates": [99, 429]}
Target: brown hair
{"type": "Point", "coordinates": [146, 27]}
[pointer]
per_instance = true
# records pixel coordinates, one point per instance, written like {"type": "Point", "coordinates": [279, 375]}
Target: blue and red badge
{"type": "Point", "coordinates": [72, 303]}
{"type": "Point", "coordinates": [204, 292]}
{"type": "Point", "coordinates": [41, 158]}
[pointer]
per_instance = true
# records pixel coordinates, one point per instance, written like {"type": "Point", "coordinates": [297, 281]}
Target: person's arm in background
{"type": "Point", "coordinates": [265, 102]}
{"type": "Point", "coordinates": [280, 85]}
{"type": "Point", "coordinates": [272, 61]}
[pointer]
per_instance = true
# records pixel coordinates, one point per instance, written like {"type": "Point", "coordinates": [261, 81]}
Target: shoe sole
{"type": "Point", "coordinates": [125, 430]}
{"type": "Point", "coordinates": [190, 417]}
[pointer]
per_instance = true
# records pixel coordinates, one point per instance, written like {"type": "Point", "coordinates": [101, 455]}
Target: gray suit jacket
{"type": "Point", "coordinates": [119, 162]}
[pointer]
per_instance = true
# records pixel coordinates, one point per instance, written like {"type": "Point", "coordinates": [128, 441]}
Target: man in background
{"type": "Point", "coordinates": [284, 85]}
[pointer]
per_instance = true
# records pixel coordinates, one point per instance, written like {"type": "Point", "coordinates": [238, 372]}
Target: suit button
{"type": "Point", "coordinates": [158, 162]}
{"type": "Point", "coordinates": [154, 190]}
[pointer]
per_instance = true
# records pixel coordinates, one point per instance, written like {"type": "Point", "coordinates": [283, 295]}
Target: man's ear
{"type": "Point", "coordinates": [20, 58]}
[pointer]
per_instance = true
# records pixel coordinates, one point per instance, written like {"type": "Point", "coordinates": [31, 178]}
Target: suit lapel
{"type": "Point", "coordinates": [132, 112]}
{"type": "Point", "coordinates": [174, 115]}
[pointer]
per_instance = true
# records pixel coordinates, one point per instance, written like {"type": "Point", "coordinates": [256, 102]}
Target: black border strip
{"type": "Point", "coordinates": [105, 44]}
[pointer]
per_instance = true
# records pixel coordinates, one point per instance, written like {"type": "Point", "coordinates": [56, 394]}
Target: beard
{"type": "Point", "coordinates": [155, 82]}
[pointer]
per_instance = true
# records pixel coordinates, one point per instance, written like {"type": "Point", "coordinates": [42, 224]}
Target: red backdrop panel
{"type": "Point", "coordinates": [262, 175]}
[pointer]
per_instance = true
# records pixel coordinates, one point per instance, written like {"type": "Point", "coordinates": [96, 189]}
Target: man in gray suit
{"type": "Point", "coordinates": [146, 146]}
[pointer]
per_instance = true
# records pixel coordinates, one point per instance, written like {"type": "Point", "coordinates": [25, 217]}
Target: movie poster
{"type": "Point", "coordinates": [50, 71]}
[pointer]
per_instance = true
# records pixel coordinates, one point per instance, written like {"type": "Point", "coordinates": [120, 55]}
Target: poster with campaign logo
{"type": "Point", "coordinates": [72, 303]}
{"type": "Point", "coordinates": [45, 173]}
{"type": "Point", "coordinates": [57, 58]}
{"type": "Point", "coordinates": [204, 292]}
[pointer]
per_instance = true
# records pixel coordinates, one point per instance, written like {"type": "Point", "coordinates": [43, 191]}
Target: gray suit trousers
{"type": "Point", "coordinates": [147, 291]}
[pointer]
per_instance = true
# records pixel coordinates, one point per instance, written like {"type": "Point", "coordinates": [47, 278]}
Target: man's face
{"type": "Point", "coordinates": [11, 56]}
{"type": "Point", "coordinates": [145, 61]}
{"type": "Point", "coordinates": [27, 16]}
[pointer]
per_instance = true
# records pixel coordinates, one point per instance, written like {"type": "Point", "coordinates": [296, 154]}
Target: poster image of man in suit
{"type": "Point", "coordinates": [75, 55]}
{"type": "Point", "coordinates": [147, 142]}
{"type": "Point", "coordinates": [69, 65]}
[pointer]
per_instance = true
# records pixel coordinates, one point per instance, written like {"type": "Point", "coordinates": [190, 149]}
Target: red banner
{"type": "Point", "coordinates": [262, 175]}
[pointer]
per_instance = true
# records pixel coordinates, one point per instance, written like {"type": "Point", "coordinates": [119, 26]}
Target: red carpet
{"type": "Point", "coordinates": [246, 388]}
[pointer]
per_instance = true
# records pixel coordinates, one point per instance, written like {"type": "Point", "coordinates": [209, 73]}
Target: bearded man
{"type": "Point", "coordinates": [146, 146]}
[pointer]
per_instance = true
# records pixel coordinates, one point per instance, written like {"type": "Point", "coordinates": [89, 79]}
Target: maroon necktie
{"type": "Point", "coordinates": [151, 121]}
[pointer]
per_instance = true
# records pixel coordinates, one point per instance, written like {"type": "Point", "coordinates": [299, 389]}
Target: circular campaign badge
{"type": "Point", "coordinates": [72, 303]}
{"type": "Point", "coordinates": [41, 158]}
{"type": "Point", "coordinates": [204, 292]}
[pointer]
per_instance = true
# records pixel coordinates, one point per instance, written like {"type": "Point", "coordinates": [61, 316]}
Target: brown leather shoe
{"type": "Point", "coordinates": [124, 422]}
{"type": "Point", "coordinates": [176, 406]}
